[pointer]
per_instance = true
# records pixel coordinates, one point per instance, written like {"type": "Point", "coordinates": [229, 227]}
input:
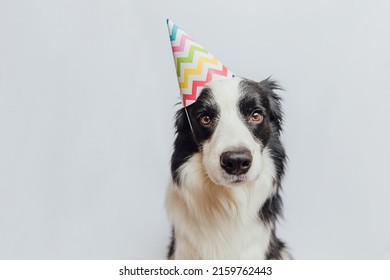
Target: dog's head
{"type": "Point", "coordinates": [233, 122]}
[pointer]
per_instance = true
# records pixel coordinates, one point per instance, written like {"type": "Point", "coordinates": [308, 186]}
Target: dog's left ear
{"type": "Point", "coordinates": [276, 114]}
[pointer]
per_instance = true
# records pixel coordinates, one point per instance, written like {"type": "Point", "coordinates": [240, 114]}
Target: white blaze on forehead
{"type": "Point", "coordinates": [231, 132]}
{"type": "Point", "coordinates": [226, 93]}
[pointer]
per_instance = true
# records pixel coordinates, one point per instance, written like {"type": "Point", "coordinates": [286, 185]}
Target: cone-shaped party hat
{"type": "Point", "coordinates": [195, 66]}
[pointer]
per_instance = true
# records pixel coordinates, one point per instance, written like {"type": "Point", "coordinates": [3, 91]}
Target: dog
{"type": "Point", "coordinates": [223, 200]}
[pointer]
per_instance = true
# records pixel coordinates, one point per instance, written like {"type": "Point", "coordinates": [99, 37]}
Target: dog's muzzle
{"type": "Point", "coordinates": [236, 162]}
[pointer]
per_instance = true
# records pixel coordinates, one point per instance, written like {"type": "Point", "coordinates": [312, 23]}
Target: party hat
{"type": "Point", "coordinates": [195, 66]}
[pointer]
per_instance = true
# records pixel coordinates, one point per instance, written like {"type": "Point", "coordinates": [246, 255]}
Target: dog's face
{"type": "Point", "coordinates": [233, 121]}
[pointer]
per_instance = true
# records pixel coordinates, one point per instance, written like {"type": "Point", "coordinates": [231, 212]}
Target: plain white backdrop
{"type": "Point", "coordinates": [87, 97]}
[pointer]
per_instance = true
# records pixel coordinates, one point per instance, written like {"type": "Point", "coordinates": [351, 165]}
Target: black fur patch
{"type": "Point", "coordinates": [271, 209]}
{"type": "Point", "coordinates": [275, 248]}
{"type": "Point", "coordinates": [205, 105]}
{"type": "Point", "coordinates": [261, 96]}
{"type": "Point", "coordinates": [172, 245]}
{"type": "Point", "coordinates": [184, 145]}
{"type": "Point", "coordinates": [254, 98]}
{"type": "Point", "coordinates": [188, 143]}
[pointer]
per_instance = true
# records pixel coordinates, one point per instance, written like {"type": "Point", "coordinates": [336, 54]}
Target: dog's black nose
{"type": "Point", "coordinates": [237, 162]}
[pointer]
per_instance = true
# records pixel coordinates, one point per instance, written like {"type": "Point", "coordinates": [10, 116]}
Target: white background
{"type": "Point", "coordinates": [87, 94]}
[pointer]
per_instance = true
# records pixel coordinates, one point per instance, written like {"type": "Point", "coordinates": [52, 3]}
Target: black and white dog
{"type": "Point", "coordinates": [223, 201]}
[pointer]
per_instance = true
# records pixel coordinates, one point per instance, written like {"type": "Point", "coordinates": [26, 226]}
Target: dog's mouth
{"type": "Point", "coordinates": [238, 180]}
{"type": "Point", "coordinates": [233, 180]}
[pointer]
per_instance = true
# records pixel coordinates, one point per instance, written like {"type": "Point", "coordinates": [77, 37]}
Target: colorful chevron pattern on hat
{"type": "Point", "coordinates": [195, 66]}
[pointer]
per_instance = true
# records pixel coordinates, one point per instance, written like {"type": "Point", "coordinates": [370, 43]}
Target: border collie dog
{"type": "Point", "coordinates": [223, 200]}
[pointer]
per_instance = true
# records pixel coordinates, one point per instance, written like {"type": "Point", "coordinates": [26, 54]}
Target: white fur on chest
{"type": "Point", "coordinates": [215, 222]}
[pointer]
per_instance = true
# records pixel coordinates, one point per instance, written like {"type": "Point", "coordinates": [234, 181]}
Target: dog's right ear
{"type": "Point", "coordinates": [184, 145]}
{"type": "Point", "coordinates": [181, 121]}
{"type": "Point", "coordinates": [276, 113]}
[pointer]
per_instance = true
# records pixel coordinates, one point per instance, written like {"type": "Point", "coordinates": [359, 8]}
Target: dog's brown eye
{"type": "Point", "coordinates": [256, 117]}
{"type": "Point", "coordinates": [205, 120]}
